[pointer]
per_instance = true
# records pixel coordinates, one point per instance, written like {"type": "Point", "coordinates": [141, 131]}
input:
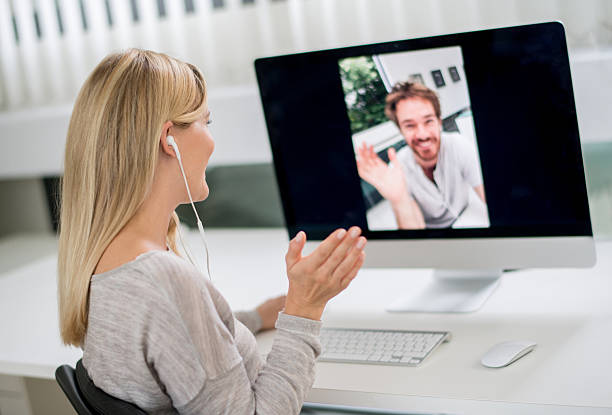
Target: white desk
{"type": "Point", "coordinates": [567, 312]}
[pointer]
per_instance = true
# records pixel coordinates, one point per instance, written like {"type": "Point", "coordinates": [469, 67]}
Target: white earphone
{"type": "Point", "coordinates": [170, 141]}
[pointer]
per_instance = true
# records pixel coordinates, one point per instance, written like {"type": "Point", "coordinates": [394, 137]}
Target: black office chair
{"type": "Point", "coordinates": [86, 398]}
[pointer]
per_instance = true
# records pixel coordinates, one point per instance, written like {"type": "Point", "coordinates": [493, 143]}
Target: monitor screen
{"type": "Point", "coordinates": [470, 135]}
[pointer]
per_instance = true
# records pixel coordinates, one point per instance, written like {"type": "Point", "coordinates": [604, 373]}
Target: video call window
{"type": "Point", "coordinates": [414, 141]}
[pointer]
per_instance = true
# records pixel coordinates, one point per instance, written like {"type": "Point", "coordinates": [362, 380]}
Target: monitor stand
{"type": "Point", "coordinates": [451, 291]}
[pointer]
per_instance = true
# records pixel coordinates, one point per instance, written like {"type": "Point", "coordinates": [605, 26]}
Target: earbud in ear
{"type": "Point", "coordinates": [170, 141]}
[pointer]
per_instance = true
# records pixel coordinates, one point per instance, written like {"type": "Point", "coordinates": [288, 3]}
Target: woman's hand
{"type": "Point", "coordinates": [268, 311]}
{"type": "Point", "coordinates": [320, 276]}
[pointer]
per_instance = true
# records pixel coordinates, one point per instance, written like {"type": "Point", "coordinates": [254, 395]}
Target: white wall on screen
{"type": "Point", "coordinates": [401, 65]}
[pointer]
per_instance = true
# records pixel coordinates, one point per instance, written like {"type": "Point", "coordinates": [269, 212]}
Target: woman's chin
{"type": "Point", "coordinates": [200, 194]}
{"type": "Point", "coordinates": [205, 193]}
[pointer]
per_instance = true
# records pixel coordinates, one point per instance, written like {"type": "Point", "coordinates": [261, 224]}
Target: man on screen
{"type": "Point", "coordinates": [428, 181]}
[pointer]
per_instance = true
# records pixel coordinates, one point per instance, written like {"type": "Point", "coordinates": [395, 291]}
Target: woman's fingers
{"type": "Point", "coordinates": [349, 260]}
{"type": "Point", "coordinates": [338, 255]}
{"type": "Point", "coordinates": [294, 253]}
{"type": "Point", "coordinates": [346, 280]}
{"type": "Point", "coordinates": [325, 249]}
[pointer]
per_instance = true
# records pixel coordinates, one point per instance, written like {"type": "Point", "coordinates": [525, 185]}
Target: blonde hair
{"type": "Point", "coordinates": [111, 153]}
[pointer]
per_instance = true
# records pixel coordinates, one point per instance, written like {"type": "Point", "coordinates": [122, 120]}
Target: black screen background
{"type": "Point", "coordinates": [525, 121]}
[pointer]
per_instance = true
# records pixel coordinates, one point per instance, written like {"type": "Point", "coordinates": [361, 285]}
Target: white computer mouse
{"type": "Point", "coordinates": [503, 354]}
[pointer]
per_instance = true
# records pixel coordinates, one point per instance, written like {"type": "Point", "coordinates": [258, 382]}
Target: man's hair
{"type": "Point", "coordinates": [407, 90]}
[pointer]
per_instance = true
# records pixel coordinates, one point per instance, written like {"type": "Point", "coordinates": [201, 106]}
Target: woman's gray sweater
{"type": "Point", "coordinates": [161, 336]}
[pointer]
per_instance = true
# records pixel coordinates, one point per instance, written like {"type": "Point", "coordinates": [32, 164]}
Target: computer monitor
{"type": "Point", "coordinates": [458, 152]}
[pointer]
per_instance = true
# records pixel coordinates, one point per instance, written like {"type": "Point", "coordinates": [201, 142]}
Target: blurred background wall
{"type": "Point", "coordinates": [47, 48]}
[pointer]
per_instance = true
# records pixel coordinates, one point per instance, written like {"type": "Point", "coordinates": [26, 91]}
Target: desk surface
{"type": "Point", "coordinates": [568, 312]}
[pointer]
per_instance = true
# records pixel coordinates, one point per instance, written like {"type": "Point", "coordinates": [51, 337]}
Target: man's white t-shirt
{"type": "Point", "coordinates": [457, 171]}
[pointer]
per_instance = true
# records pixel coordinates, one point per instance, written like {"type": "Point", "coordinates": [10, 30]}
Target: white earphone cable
{"type": "Point", "coordinates": [172, 143]}
{"type": "Point", "coordinates": [187, 251]}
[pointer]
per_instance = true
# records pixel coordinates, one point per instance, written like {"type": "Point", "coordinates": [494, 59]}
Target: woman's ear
{"type": "Point", "coordinates": [162, 139]}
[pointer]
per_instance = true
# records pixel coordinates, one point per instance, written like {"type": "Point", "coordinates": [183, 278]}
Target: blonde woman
{"type": "Point", "coordinates": [154, 330]}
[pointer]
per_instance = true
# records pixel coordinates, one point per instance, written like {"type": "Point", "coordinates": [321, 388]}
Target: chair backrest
{"type": "Point", "coordinates": [87, 398]}
{"type": "Point", "coordinates": [66, 378]}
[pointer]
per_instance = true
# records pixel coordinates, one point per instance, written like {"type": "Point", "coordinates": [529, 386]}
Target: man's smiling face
{"type": "Point", "coordinates": [421, 128]}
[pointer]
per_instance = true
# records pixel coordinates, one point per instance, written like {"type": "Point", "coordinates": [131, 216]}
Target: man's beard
{"type": "Point", "coordinates": [431, 148]}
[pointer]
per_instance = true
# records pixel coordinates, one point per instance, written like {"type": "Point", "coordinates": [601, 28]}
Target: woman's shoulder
{"type": "Point", "coordinates": [164, 261]}
{"type": "Point", "coordinates": [155, 268]}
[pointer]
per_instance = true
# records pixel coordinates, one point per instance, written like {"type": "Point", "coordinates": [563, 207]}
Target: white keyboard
{"type": "Point", "coordinates": [379, 347]}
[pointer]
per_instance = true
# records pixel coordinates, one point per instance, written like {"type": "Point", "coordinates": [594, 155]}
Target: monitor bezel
{"type": "Point", "coordinates": [447, 237]}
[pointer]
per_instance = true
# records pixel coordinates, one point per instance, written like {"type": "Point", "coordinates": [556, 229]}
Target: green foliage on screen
{"type": "Point", "coordinates": [364, 93]}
